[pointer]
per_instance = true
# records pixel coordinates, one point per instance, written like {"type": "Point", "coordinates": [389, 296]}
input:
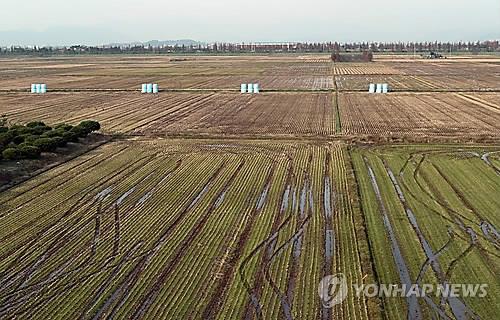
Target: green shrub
{"type": "Point", "coordinates": [63, 126]}
{"type": "Point", "coordinates": [80, 131]}
{"type": "Point", "coordinates": [70, 136]}
{"type": "Point", "coordinates": [39, 130]}
{"type": "Point", "coordinates": [53, 133]}
{"type": "Point", "coordinates": [28, 152]}
{"type": "Point", "coordinates": [59, 141]}
{"type": "Point", "coordinates": [6, 137]}
{"type": "Point", "coordinates": [10, 154]}
{"type": "Point", "coordinates": [34, 124]}
{"type": "Point", "coordinates": [29, 138]}
{"type": "Point", "coordinates": [19, 130]}
{"type": "Point", "coordinates": [3, 129]}
{"type": "Point", "coordinates": [18, 139]}
{"type": "Point", "coordinates": [90, 125]}
{"type": "Point", "coordinates": [45, 144]}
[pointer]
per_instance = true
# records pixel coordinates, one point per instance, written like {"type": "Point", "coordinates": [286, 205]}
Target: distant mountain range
{"type": "Point", "coordinates": [68, 36]}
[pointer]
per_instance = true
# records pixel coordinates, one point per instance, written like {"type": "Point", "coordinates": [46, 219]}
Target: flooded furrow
{"type": "Point", "coordinates": [267, 246]}
{"type": "Point", "coordinates": [120, 289]}
{"type": "Point", "coordinates": [262, 198]}
{"type": "Point", "coordinates": [486, 158]}
{"type": "Point", "coordinates": [303, 200]}
{"type": "Point", "coordinates": [414, 311]}
{"type": "Point", "coordinates": [285, 202]}
{"type": "Point", "coordinates": [102, 195]}
{"type": "Point", "coordinates": [284, 207]}
{"type": "Point", "coordinates": [160, 279]}
{"type": "Point", "coordinates": [153, 189]}
{"type": "Point", "coordinates": [329, 236]}
{"type": "Point", "coordinates": [220, 291]}
{"type": "Point", "coordinates": [490, 232]}
{"type": "Point", "coordinates": [303, 217]}
{"type": "Point", "coordinates": [124, 196]}
{"type": "Point", "coordinates": [329, 244]}
{"type": "Point", "coordinates": [327, 197]}
{"type": "Point", "coordinates": [458, 308]}
{"type": "Point", "coordinates": [143, 199]}
{"type": "Point", "coordinates": [220, 199]}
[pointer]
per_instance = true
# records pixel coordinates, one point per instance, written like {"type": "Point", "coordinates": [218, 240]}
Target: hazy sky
{"type": "Point", "coordinates": [104, 21]}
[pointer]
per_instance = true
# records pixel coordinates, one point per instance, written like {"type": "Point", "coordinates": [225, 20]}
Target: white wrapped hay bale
{"type": "Point", "coordinates": [256, 88]}
{"type": "Point", "coordinates": [371, 89]}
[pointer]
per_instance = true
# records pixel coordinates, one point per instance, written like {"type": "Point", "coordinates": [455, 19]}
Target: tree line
{"type": "Point", "coordinates": [28, 141]}
{"type": "Point", "coordinates": [296, 47]}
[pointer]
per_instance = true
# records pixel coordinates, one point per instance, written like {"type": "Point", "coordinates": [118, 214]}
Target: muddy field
{"type": "Point", "coordinates": [431, 211]}
{"type": "Point", "coordinates": [244, 228]}
{"type": "Point", "coordinates": [211, 204]}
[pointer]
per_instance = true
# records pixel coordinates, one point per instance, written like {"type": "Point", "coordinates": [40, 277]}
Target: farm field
{"type": "Point", "coordinates": [281, 73]}
{"type": "Point", "coordinates": [211, 204]}
{"type": "Point", "coordinates": [432, 210]}
{"type": "Point", "coordinates": [174, 82]}
{"type": "Point", "coordinates": [251, 230]}
{"type": "Point", "coordinates": [439, 83]}
{"type": "Point", "coordinates": [182, 113]}
{"type": "Point", "coordinates": [282, 114]}
{"type": "Point", "coordinates": [419, 114]}
{"type": "Point", "coordinates": [421, 75]}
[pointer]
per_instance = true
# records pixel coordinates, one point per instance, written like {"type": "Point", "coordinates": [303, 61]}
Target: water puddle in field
{"type": "Point", "coordinates": [284, 203]}
{"type": "Point", "coordinates": [329, 244]}
{"type": "Point", "coordinates": [297, 244]}
{"type": "Point", "coordinates": [472, 234]}
{"type": "Point", "coordinates": [148, 194]}
{"type": "Point", "coordinates": [327, 197]}
{"type": "Point", "coordinates": [486, 158]}
{"type": "Point", "coordinates": [104, 193]}
{"type": "Point", "coordinates": [411, 216]}
{"type": "Point", "coordinates": [220, 199]}
{"type": "Point", "coordinates": [311, 200]}
{"type": "Point", "coordinates": [458, 308]}
{"type": "Point", "coordinates": [294, 199]}
{"type": "Point", "coordinates": [198, 197]}
{"type": "Point", "coordinates": [303, 199]}
{"type": "Point", "coordinates": [124, 196]}
{"type": "Point", "coordinates": [272, 244]}
{"type": "Point", "coordinates": [262, 197]}
{"type": "Point", "coordinates": [490, 232]}
{"type": "Point", "coordinates": [164, 179]}
{"type": "Point", "coordinates": [414, 311]}
{"type": "Point", "coordinates": [284, 206]}
{"type": "Point", "coordinates": [144, 198]}
{"type": "Point", "coordinates": [257, 306]}
{"type": "Point", "coordinates": [274, 238]}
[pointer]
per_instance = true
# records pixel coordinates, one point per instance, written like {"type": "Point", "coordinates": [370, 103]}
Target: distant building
{"type": "Point", "coordinates": [366, 56]}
